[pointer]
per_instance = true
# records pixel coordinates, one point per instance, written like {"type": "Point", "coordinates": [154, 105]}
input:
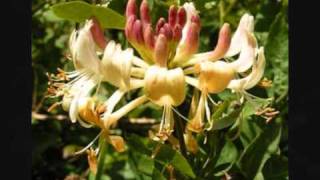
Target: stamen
{"type": "Point", "coordinates": [212, 101]}
{"type": "Point", "coordinates": [208, 113]}
{"type": "Point", "coordinates": [89, 145]}
{"type": "Point", "coordinates": [179, 114]}
{"type": "Point", "coordinates": [53, 106]}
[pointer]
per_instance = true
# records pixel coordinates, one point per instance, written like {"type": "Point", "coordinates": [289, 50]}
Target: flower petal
{"type": "Point", "coordinates": [253, 78]}
{"type": "Point", "coordinates": [84, 50]}
{"type": "Point", "coordinates": [246, 23]}
{"type": "Point", "coordinates": [247, 54]}
{"type": "Point", "coordinates": [116, 65]}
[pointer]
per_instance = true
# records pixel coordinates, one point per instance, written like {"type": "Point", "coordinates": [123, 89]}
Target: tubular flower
{"type": "Point", "coordinates": [169, 62]}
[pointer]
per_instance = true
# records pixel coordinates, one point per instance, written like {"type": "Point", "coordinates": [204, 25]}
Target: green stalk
{"type": "Point", "coordinates": [101, 158]}
{"type": "Point", "coordinates": [179, 129]}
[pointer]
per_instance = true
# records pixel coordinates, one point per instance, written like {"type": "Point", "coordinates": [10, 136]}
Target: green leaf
{"type": "Point", "coordinates": [166, 156]}
{"type": "Point", "coordinates": [252, 106]}
{"type": "Point", "coordinates": [277, 54]}
{"type": "Point", "coordinates": [259, 176]}
{"type": "Point", "coordinates": [145, 165]}
{"type": "Point", "coordinates": [79, 11]}
{"type": "Point", "coordinates": [228, 156]}
{"type": "Point", "coordinates": [137, 144]}
{"type": "Point", "coordinates": [276, 168]}
{"type": "Point", "coordinates": [220, 109]}
{"type": "Point", "coordinates": [250, 129]}
{"type": "Point", "coordinates": [109, 18]}
{"type": "Point", "coordinates": [226, 121]}
{"type": "Point", "coordinates": [157, 175]}
{"type": "Point", "coordinates": [260, 150]}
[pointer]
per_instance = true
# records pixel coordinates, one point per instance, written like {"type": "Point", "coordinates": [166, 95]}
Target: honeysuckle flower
{"type": "Point", "coordinates": [87, 70]}
{"type": "Point", "coordinates": [215, 75]}
{"type": "Point", "coordinates": [169, 62]}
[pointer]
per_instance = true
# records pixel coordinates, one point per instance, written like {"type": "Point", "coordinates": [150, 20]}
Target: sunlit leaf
{"type": "Point", "coordinates": [79, 11]}
{"type": "Point", "coordinates": [167, 155]}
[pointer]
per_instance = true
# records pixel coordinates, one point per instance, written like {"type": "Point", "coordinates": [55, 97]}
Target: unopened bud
{"type": "Point", "coordinates": [177, 32]}
{"type": "Point", "coordinates": [172, 18]}
{"type": "Point", "coordinates": [168, 31]}
{"type": "Point", "coordinates": [131, 8]}
{"type": "Point", "coordinates": [223, 43]}
{"type": "Point", "coordinates": [196, 19]}
{"type": "Point", "coordinates": [129, 27]}
{"type": "Point", "coordinates": [160, 24]}
{"type": "Point", "coordinates": [181, 16]}
{"type": "Point", "coordinates": [144, 12]}
{"type": "Point", "coordinates": [97, 33]}
{"type": "Point", "coordinates": [161, 50]}
{"type": "Point", "coordinates": [192, 39]}
{"type": "Point", "coordinates": [148, 36]}
{"type": "Point", "coordinates": [137, 31]}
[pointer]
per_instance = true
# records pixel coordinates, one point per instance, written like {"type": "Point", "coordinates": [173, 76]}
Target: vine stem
{"type": "Point", "coordinates": [179, 130]}
{"type": "Point", "coordinates": [101, 158]}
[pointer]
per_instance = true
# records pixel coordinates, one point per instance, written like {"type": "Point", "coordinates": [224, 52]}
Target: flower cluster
{"type": "Point", "coordinates": [168, 62]}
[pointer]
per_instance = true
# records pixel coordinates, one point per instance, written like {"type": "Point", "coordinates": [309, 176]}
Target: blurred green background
{"type": "Point", "coordinates": [55, 137]}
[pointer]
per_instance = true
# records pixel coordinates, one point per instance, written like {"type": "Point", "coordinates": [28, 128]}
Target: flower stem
{"type": "Point", "coordinates": [101, 158]}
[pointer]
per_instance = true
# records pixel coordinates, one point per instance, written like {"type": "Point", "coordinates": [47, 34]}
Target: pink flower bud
{"type": "Point", "coordinates": [144, 12]}
{"type": "Point", "coordinates": [131, 8]}
{"type": "Point", "coordinates": [181, 16]}
{"type": "Point", "coordinates": [172, 18]}
{"type": "Point", "coordinates": [223, 43]}
{"type": "Point", "coordinates": [196, 19]}
{"type": "Point", "coordinates": [159, 25]}
{"type": "Point", "coordinates": [137, 31]}
{"type": "Point", "coordinates": [97, 33]}
{"type": "Point", "coordinates": [129, 27]}
{"type": "Point", "coordinates": [161, 50]}
{"type": "Point", "coordinates": [168, 31]}
{"type": "Point", "coordinates": [177, 32]}
{"type": "Point", "coordinates": [162, 31]}
{"type": "Point", "coordinates": [192, 40]}
{"type": "Point", "coordinates": [148, 36]}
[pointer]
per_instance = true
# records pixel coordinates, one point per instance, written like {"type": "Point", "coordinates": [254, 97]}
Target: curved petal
{"type": "Point", "coordinates": [116, 65]}
{"type": "Point", "coordinates": [246, 23]}
{"type": "Point", "coordinates": [253, 78]}
{"type": "Point", "coordinates": [247, 54]}
{"type": "Point", "coordinates": [84, 50]}
{"type": "Point", "coordinates": [80, 89]}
